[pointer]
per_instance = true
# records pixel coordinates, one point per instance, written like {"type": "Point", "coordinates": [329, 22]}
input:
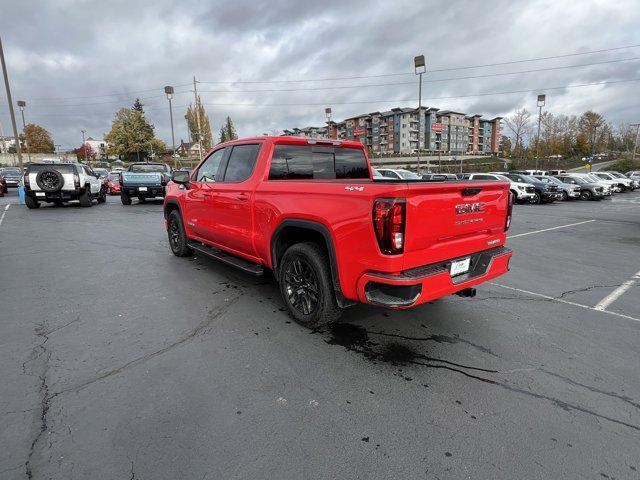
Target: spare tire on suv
{"type": "Point", "coordinates": [50, 180]}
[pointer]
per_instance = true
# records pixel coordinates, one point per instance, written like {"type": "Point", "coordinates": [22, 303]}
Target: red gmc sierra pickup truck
{"type": "Point", "coordinates": [310, 211]}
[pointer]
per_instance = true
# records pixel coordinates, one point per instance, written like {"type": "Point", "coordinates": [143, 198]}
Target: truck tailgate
{"type": "Point", "coordinates": [451, 220]}
{"type": "Point", "coordinates": [147, 179]}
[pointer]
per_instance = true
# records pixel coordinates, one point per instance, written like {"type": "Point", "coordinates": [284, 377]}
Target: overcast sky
{"type": "Point", "coordinates": [68, 58]}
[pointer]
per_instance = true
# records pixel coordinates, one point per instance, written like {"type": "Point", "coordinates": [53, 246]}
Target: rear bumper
{"type": "Point", "coordinates": [60, 195]}
{"type": "Point", "coordinates": [423, 284]}
{"type": "Point", "coordinates": [145, 191]}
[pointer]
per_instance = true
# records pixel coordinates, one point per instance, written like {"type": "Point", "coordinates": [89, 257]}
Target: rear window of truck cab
{"type": "Point", "coordinates": [295, 162]}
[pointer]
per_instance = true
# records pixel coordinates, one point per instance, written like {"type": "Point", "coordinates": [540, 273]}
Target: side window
{"type": "Point", "coordinates": [241, 163]}
{"type": "Point", "coordinates": [209, 169]}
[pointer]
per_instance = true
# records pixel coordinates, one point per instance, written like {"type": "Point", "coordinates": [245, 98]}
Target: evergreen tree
{"type": "Point", "coordinates": [132, 135]}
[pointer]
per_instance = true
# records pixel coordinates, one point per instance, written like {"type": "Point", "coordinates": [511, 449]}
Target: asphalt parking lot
{"type": "Point", "coordinates": [119, 360]}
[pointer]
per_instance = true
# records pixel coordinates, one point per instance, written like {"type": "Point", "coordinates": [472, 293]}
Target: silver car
{"type": "Point", "coordinates": [569, 190]}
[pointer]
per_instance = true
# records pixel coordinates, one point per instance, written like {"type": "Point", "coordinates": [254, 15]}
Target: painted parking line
{"type": "Point", "coordinates": [567, 302]}
{"type": "Point", "coordinates": [549, 229]}
{"type": "Point", "coordinates": [4, 212]}
{"type": "Point", "coordinates": [617, 293]}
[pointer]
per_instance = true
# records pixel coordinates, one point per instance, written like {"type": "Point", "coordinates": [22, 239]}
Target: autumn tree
{"type": "Point", "coordinates": [205, 125]}
{"type": "Point", "coordinates": [132, 135]}
{"type": "Point", "coordinates": [520, 125]}
{"type": "Point", "coordinates": [85, 152]}
{"type": "Point", "coordinates": [38, 140]}
{"type": "Point", "coordinates": [228, 131]}
{"type": "Point", "coordinates": [594, 127]}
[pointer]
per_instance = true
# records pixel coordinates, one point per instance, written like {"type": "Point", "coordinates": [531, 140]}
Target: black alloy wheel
{"type": "Point", "coordinates": [177, 235]}
{"type": "Point", "coordinates": [301, 285]}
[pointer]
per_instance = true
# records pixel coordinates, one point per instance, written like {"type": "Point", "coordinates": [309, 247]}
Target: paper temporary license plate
{"type": "Point", "coordinates": [142, 189]}
{"type": "Point", "coordinates": [460, 266]}
{"type": "Point", "coordinates": [40, 194]}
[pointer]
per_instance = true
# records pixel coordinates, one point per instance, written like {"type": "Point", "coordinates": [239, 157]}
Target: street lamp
{"type": "Point", "coordinates": [169, 91]}
{"type": "Point", "coordinates": [541, 102]}
{"type": "Point", "coordinates": [327, 113]}
{"type": "Point", "coordinates": [21, 105]}
{"type": "Point", "coordinates": [420, 68]}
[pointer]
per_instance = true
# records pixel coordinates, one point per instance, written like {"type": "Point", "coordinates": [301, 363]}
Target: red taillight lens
{"type": "Point", "coordinates": [389, 215]}
{"type": "Point", "coordinates": [507, 222]}
{"type": "Point", "coordinates": [76, 180]}
{"type": "Point", "coordinates": [26, 180]}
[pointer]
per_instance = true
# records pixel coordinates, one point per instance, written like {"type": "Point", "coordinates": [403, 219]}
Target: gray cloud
{"type": "Point", "coordinates": [59, 52]}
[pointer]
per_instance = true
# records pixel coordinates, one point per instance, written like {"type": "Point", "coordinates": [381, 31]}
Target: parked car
{"type": "Point", "coordinates": [376, 174]}
{"type": "Point", "coordinates": [589, 190]}
{"type": "Point", "coordinates": [524, 192]}
{"type": "Point", "coordinates": [608, 187]}
{"type": "Point", "coordinates": [63, 182]}
{"type": "Point", "coordinates": [625, 183]}
{"type": "Point", "coordinates": [112, 183]}
{"type": "Point", "coordinates": [568, 190]}
{"type": "Point", "coordinates": [101, 172]}
{"type": "Point", "coordinates": [439, 176]}
{"type": "Point", "coordinates": [556, 172]}
{"type": "Point", "coordinates": [2, 187]}
{"type": "Point", "coordinates": [544, 192]}
{"type": "Point", "coordinates": [530, 172]}
{"type": "Point", "coordinates": [12, 176]}
{"type": "Point", "coordinates": [331, 235]}
{"type": "Point", "coordinates": [633, 174]}
{"type": "Point", "coordinates": [398, 174]}
{"type": "Point", "coordinates": [144, 180]}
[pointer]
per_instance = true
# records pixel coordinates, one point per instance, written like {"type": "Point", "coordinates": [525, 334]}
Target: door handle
{"type": "Point", "coordinates": [242, 196]}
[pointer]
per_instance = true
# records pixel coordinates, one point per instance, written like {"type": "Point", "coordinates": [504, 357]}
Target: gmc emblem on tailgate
{"type": "Point", "coordinates": [467, 208]}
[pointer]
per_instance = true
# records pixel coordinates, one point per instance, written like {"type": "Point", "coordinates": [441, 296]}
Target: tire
{"type": "Point", "coordinates": [125, 198]}
{"type": "Point", "coordinates": [305, 266]}
{"type": "Point", "coordinates": [177, 235]}
{"type": "Point", "coordinates": [585, 195]}
{"type": "Point", "coordinates": [537, 200]}
{"type": "Point", "coordinates": [31, 202]}
{"type": "Point", "coordinates": [49, 180]}
{"type": "Point", "coordinates": [565, 196]}
{"type": "Point", "coordinates": [102, 196]}
{"type": "Point", "coordinates": [85, 197]}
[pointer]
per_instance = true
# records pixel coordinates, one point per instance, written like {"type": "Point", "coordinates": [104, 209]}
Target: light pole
{"type": "Point", "coordinates": [635, 143]}
{"type": "Point", "coordinates": [169, 91]}
{"type": "Point", "coordinates": [327, 113]}
{"type": "Point", "coordinates": [186, 117]}
{"type": "Point", "coordinates": [541, 102]}
{"type": "Point", "coordinates": [84, 147]}
{"type": "Point", "coordinates": [10, 102]}
{"type": "Point", "coordinates": [21, 105]}
{"type": "Point", "coordinates": [420, 68]}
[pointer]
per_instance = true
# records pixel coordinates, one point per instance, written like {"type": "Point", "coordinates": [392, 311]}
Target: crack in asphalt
{"type": "Point", "coordinates": [41, 349]}
{"type": "Point", "coordinates": [356, 338]}
{"type": "Point", "coordinates": [193, 333]}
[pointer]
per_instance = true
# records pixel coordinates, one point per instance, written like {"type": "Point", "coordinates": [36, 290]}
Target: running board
{"type": "Point", "coordinates": [241, 263]}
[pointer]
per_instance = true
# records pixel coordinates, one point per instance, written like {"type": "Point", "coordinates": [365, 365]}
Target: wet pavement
{"type": "Point", "coordinates": [119, 360]}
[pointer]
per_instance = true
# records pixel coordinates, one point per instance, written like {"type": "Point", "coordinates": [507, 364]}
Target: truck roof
{"type": "Point", "coordinates": [297, 141]}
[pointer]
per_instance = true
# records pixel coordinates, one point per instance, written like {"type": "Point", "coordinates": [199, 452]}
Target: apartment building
{"type": "Point", "coordinates": [407, 130]}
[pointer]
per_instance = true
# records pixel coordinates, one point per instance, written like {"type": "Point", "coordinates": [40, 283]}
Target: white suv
{"type": "Point", "coordinates": [61, 183]}
{"type": "Point", "coordinates": [524, 192]}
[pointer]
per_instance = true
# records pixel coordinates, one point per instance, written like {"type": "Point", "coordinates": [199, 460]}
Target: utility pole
{"type": "Point", "coordinates": [197, 103]}
{"type": "Point", "coordinates": [84, 148]}
{"type": "Point", "coordinates": [10, 102]}
{"type": "Point", "coordinates": [22, 104]}
{"type": "Point", "coordinates": [635, 143]}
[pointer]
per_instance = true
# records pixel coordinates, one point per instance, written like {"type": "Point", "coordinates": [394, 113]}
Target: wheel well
{"type": "Point", "coordinates": [170, 207]}
{"type": "Point", "coordinates": [290, 235]}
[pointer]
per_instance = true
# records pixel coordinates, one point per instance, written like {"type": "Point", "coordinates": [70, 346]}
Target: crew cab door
{"type": "Point", "coordinates": [198, 215]}
{"type": "Point", "coordinates": [92, 179]}
{"type": "Point", "coordinates": [230, 206]}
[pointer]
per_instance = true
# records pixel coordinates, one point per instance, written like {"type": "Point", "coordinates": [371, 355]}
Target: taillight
{"type": "Point", "coordinates": [26, 180]}
{"type": "Point", "coordinates": [389, 215]}
{"type": "Point", "coordinates": [507, 223]}
{"type": "Point", "coordinates": [76, 180]}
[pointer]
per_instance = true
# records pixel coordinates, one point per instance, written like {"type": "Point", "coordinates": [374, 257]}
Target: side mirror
{"type": "Point", "coordinates": [180, 177]}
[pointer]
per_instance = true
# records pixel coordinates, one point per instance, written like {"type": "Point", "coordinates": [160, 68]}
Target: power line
{"type": "Point", "coordinates": [449, 69]}
{"type": "Point", "coordinates": [121, 94]}
{"type": "Point", "coordinates": [448, 97]}
{"type": "Point", "coordinates": [425, 81]}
